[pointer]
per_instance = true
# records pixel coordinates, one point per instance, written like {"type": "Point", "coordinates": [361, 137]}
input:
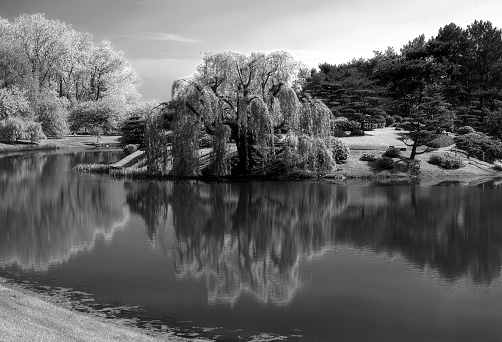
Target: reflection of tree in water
{"type": "Point", "coordinates": [242, 237]}
{"type": "Point", "coordinates": [48, 213]}
{"type": "Point", "coordinates": [456, 230]}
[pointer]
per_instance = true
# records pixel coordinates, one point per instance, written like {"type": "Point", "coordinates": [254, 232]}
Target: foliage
{"type": "Point", "coordinates": [129, 149]}
{"type": "Point", "coordinates": [94, 115]}
{"type": "Point", "coordinates": [441, 140]}
{"type": "Point", "coordinates": [47, 68]}
{"type": "Point", "coordinates": [92, 168]}
{"type": "Point", "coordinates": [185, 150]}
{"type": "Point", "coordinates": [446, 160]}
{"type": "Point", "coordinates": [368, 157]}
{"type": "Point", "coordinates": [357, 133]}
{"type": "Point", "coordinates": [389, 121]}
{"type": "Point", "coordinates": [221, 161]}
{"type": "Point", "coordinates": [11, 129]}
{"type": "Point", "coordinates": [132, 131]}
{"type": "Point", "coordinates": [342, 123]}
{"type": "Point", "coordinates": [493, 124]}
{"type": "Point", "coordinates": [52, 113]}
{"type": "Point", "coordinates": [34, 132]}
{"type": "Point", "coordinates": [156, 144]}
{"type": "Point", "coordinates": [385, 163]}
{"type": "Point", "coordinates": [497, 165]}
{"type": "Point", "coordinates": [426, 119]}
{"type": "Point", "coordinates": [465, 130]}
{"type": "Point", "coordinates": [404, 125]}
{"type": "Point", "coordinates": [392, 152]}
{"type": "Point", "coordinates": [254, 97]}
{"type": "Point", "coordinates": [315, 155]}
{"type": "Point", "coordinates": [14, 103]}
{"type": "Point", "coordinates": [397, 118]}
{"type": "Point", "coordinates": [340, 149]}
{"type": "Point", "coordinates": [338, 133]}
{"type": "Point", "coordinates": [480, 147]}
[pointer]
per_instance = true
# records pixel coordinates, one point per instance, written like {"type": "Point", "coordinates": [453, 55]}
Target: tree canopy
{"type": "Point", "coordinates": [247, 99]}
{"type": "Point", "coordinates": [50, 68]}
{"type": "Point", "coordinates": [463, 66]}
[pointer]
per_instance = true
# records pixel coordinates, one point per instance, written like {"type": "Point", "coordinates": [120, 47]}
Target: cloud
{"type": "Point", "coordinates": [160, 36]}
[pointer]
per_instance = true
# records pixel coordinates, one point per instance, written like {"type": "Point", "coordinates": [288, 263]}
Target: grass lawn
{"type": "Point", "coordinates": [377, 142]}
{"type": "Point", "coordinates": [82, 141]}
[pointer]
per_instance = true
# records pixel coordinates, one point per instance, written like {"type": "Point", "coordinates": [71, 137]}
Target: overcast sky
{"type": "Point", "coordinates": [165, 39]}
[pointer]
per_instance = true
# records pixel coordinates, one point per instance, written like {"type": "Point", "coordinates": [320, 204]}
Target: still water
{"type": "Point", "coordinates": [257, 260]}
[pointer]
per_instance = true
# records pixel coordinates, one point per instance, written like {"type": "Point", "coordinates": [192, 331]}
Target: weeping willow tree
{"type": "Point", "coordinates": [248, 99]}
{"type": "Point", "coordinates": [156, 143]}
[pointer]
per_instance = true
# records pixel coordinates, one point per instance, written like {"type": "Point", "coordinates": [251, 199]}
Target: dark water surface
{"type": "Point", "coordinates": [257, 260]}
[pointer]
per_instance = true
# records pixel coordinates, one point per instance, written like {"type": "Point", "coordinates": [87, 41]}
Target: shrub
{"type": "Point", "coordinates": [406, 125]}
{"type": "Point", "coordinates": [368, 157]}
{"type": "Point", "coordinates": [385, 163]}
{"type": "Point", "coordinates": [341, 150]}
{"type": "Point", "coordinates": [11, 129]}
{"type": "Point", "coordinates": [446, 160]}
{"type": "Point", "coordinates": [442, 140]}
{"type": "Point", "coordinates": [129, 149]}
{"type": "Point", "coordinates": [497, 165]}
{"type": "Point", "coordinates": [132, 131]}
{"type": "Point", "coordinates": [411, 166]}
{"type": "Point", "coordinates": [465, 130]}
{"type": "Point", "coordinates": [392, 152]}
{"type": "Point", "coordinates": [379, 122]}
{"type": "Point", "coordinates": [34, 132]}
{"type": "Point", "coordinates": [357, 133]}
{"type": "Point", "coordinates": [398, 119]}
{"type": "Point", "coordinates": [338, 133]}
{"type": "Point", "coordinates": [389, 121]}
{"type": "Point", "coordinates": [480, 146]}
{"type": "Point", "coordinates": [342, 124]}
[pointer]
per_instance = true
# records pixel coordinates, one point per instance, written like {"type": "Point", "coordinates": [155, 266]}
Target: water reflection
{"type": "Point", "coordinates": [250, 237]}
{"type": "Point", "coordinates": [241, 237]}
{"type": "Point", "coordinates": [47, 213]}
{"type": "Point", "coordinates": [454, 230]}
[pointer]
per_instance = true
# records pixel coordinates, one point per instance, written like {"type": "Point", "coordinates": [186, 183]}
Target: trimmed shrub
{"type": "Point", "coordinates": [129, 149]}
{"type": "Point", "coordinates": [406, 125]}
{"type": "Point", "coordinates": [368, 157]}
{"type": "Point", "coordinates": [392, 152]}
{"type": "Point", "coordinates": [497, 165]}
{"type": "Point", "coordinates": [442, 140]}
{"type": "Point", "coordinates": [465, 130]}
{"type": "Point", "coordinates": [480, 146]}
{"type": "Point", "coordinates": [341, 150]}
{"type": "Point", "coordinates": [342, 124]}
{"type": "Point", "coordinates": [338, 133]}
{"type": "Point", "coordinates": [385, 163]}
{"type": "Point", "coordinates": [446, 160]}
{"type": "Point", "coordinates": [389, 121]}
{"type": "Point", "coordinates": [357, 133]}
{"type": "Point", "coordinates": [398, 119]}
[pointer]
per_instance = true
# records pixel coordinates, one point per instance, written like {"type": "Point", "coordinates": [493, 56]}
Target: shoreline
{"type": "Point", "coordinates": [68, 142]}
{"type": "Point", "coordinates": [29, 316]}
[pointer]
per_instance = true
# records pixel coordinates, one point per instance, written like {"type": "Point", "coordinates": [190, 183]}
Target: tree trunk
{"type": "Point", "coordinates": [414, 150]}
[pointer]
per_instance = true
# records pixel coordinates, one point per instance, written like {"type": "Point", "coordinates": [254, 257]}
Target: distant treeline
{"type": "Point", "coordinates": [53, 78]}
{"type": "Point", "coordinates": [459, 69]}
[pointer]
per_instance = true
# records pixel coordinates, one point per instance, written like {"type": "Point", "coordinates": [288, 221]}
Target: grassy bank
{"type": "Point", "coordinates": [25, 316]}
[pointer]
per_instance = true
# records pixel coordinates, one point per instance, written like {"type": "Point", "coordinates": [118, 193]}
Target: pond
{"type": "Point", "coordinates": [236, 261]}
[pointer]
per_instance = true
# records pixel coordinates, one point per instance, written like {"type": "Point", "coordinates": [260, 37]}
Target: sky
{"type": "Point", "coordinates": [165, 39]}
